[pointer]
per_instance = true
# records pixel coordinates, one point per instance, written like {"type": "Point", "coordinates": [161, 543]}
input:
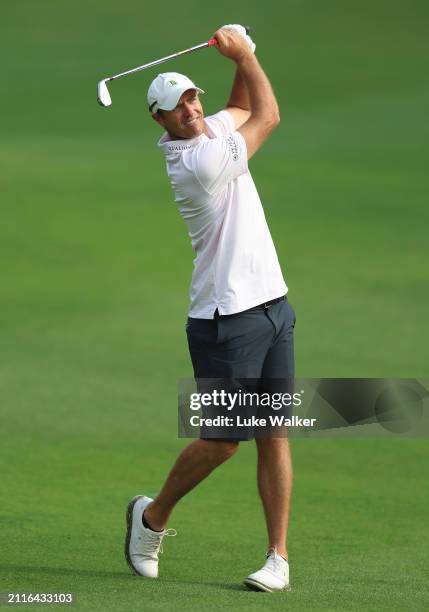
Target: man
{"type": "Point", "coordinates": [240, 322]}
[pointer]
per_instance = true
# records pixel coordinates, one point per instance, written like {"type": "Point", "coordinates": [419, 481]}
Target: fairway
{"type": "Point", "coordinates": [95, 266]}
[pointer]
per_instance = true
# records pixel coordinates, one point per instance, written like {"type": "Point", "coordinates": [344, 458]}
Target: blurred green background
{"type": "Point", "coordinates": [95, 266]}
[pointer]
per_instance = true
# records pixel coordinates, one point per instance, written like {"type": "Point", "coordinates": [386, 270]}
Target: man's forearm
{"type": "Point", "coordinates": [239, 96]}
{"type": "Point", "coordinates": [262, 100]}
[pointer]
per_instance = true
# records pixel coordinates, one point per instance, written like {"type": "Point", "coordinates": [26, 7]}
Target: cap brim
{"type": "Point", "coordinates": [174, 97]}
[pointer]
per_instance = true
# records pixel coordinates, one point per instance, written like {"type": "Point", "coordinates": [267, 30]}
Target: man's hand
{"type": "Point", "coordinates": [232, 45]}
{"type": "Point", "coordinates": [236, 27]}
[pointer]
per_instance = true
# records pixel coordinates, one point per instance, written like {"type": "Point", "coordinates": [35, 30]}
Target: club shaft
{"type": "Point", "coordinates": [159, 61]}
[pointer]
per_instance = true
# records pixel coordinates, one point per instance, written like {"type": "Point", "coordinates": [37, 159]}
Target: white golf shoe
{"type": "Point", "coordinates": [274, 576]}
{"type": "Point", "coordinates": [142, 545]}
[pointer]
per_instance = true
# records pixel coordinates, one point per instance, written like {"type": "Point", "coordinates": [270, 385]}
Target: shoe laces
{"type": "Point", "coordinates": [152, 543]}
{"type": "Point", "coordinates": [274, 560]}
{"type": "Point", "coordinates": [169, 533]}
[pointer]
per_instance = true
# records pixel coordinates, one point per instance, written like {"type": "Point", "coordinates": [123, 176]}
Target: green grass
{"type": "Point", "coordinates": [358, 537]}
{"type": "Point", "coordinates": [95, 265]}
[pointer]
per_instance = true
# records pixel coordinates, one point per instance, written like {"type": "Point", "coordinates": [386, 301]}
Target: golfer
{"type": "Point", "coordinates": [240, 323]}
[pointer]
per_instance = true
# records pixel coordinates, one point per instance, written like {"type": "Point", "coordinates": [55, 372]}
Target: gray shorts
{"type": "Point", "coordinates": [254, 346]}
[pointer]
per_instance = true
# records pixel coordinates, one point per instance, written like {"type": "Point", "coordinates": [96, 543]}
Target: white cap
{"type": "Point", "coordinates": [165, 91]}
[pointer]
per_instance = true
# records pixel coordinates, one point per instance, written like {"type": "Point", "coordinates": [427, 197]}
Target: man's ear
{"type": "Point", "coordinates": [158, 118]}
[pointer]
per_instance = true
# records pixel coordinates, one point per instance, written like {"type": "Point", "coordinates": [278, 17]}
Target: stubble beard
{"type": "Point", "coordinates": [194, 129]}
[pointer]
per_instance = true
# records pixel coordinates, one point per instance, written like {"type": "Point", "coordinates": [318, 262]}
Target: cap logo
{"type": "Point", "coordinates": [172, 83]}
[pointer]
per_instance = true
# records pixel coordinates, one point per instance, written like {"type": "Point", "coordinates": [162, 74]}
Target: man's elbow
{"type": "Point", "coordinates": [273, 121]}
{"type": "Point", "coordinates": [276, 118]}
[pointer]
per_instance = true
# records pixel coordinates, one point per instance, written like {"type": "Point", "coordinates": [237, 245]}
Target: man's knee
{"type": "Point", "coordinates": [223, 449]}
{"type": "Point", "coordinates": [271, 444]}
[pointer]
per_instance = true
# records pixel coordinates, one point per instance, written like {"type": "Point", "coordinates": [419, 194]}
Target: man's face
{"type": "Point", "coordinates": [186, 120]}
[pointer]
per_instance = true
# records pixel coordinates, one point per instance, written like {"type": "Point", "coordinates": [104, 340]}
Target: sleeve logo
{"type": "Point", "coordinates": [233, 147]}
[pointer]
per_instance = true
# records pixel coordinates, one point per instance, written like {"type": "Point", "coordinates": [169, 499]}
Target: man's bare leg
{"type": "Point", "coordinates": [275, 488]}
{"type": "Point", "coordinates": [194, 463]}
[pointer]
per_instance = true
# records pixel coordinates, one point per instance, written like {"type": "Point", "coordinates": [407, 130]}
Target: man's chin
{"type": "Point", "coordinates": [193, 131]}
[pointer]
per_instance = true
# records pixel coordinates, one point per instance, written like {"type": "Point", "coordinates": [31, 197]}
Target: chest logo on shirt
{"type": "Point", "coordinates": [233, 147]}
{"type": "Point", "coordinates": [177, 147]}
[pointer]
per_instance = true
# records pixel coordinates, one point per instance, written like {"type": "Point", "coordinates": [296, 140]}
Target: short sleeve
{"type": "Point", "coordinates": [218, 161]}
{"type": "Point", "coordinates": [221, 124]}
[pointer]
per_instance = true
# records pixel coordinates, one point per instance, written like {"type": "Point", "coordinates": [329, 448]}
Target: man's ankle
{"type": "Point", "coordinates": [279, 551]}
{"type": "Point", "coordinates": [151, 520]}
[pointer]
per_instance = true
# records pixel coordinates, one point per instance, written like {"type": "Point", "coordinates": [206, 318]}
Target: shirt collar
{"type": "Point", "coordinates": [169, 146]}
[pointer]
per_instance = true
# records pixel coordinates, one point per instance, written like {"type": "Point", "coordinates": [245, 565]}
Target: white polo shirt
{"type": "Point", "coordinates": [236, 265]}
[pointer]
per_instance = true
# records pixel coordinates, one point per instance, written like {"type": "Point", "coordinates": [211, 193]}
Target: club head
{"type": "Point", "coordinates": [103, 95]}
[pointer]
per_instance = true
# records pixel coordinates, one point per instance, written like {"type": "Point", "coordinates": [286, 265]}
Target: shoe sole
{"type": "Point", "coordinates": [129, 521]}
{"type": "Point", "coordinates": [254, 585]}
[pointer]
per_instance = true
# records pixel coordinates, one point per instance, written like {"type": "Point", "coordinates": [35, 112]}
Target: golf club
{"type": "Point", "coordinates": [103, 95]}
